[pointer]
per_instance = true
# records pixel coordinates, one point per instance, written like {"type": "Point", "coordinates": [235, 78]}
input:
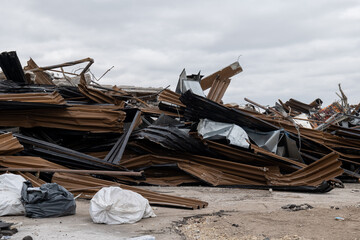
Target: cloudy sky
{"type": "Point", "coordinates": [289, 49]}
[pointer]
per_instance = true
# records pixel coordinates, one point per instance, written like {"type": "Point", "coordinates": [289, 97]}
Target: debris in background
{"type": "Point", "coordinates": [294, 207]}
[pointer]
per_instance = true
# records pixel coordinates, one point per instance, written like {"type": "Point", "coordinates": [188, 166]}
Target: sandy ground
{"type": "Point", "coordinates": [231, 214]}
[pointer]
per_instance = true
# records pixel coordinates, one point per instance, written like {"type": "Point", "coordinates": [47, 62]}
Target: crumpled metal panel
{"type": "Point", "coordinates": [193, 86]}
{"type": "Point", "coordinates": [214, 130]}
{"type": "Point", "coordinates": [185, 84]}
{"type": "Point", "coordinates": [314, 174]}
{"type": "Point", "coordinates": [266, 140]}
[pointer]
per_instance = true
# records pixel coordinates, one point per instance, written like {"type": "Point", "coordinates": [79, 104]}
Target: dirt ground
{"type": "Point", "coordinates": [231, 214]}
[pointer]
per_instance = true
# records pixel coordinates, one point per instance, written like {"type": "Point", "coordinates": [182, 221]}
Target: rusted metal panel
{"type": "Point", "coordinates": [170, 97]}
{"type": "Point", "coordinates": [9, 144]}
{"type": "Point", "coordinates": [88, 186]}
{"type": "Point", "coordinates": [275, 156]}
{"type": "Point", "coordinates": [90, 118]}
{"type": "Point", "coordinates": [49, 98]}
{"type": "Point", "coordinates": [40, 77]}
{"type": "Point", "coordinates": [98, 96]}
{"type": "Point", "coordinates": [210, 170]}
{"type": "Point", "coordinates": [247, 157]}
{"type": "Point", "coordinates": [323, 169]}
{"type": "Point", "coordinates": [218, 90]}
{"type": "Point", "coordinates": [224, 73]}
{"type": "Point", "coordinates": [53, 170]}
{"type": "Point", "coordinates": [27, 162]}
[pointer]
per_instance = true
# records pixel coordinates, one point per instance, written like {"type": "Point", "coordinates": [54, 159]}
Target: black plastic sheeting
{"type": "Point", "coordinates": [50, 200]}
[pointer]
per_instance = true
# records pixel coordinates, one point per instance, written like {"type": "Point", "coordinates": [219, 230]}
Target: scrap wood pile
{"type": "Point", "coordinates": [84, 136]}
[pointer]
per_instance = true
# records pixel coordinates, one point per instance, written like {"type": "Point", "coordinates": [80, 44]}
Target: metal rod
{"type": "Point", "coordinates": [53, 70]}
{"type": "Point", "coordinates": [265, 108]}
{"type": "Point", "coordinates": [67, 64]}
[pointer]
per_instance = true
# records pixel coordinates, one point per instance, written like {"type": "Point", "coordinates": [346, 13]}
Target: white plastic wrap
{"type": "Point", "coordinates": [113, 205]}
{"type": "Point", "coordinates": [10, 194]}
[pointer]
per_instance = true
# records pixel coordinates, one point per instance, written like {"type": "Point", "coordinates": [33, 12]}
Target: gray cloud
{"type": "Point", "coordinates": [298, 49]}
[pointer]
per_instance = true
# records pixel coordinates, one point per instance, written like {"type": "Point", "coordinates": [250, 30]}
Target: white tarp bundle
{"type": "Point", "coordinates": [113, 205]}
{"type": "Point", "coordinates": [10, 194]}
{"type": "Point", "coordinates": [212, 130]}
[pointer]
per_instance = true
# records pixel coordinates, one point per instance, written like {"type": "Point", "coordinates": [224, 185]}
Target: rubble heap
{"type": "Point", "coordinates": [75, 132]}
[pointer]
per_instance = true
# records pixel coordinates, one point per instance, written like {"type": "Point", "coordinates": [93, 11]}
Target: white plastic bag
{"type": "Point", "coordinates": [10, 194]}
{"type": "Point", "coordinates": [113, 205]}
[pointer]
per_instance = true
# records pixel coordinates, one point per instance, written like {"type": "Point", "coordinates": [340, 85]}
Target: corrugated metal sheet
{"type": "Point", "coordinates": [40, 77]}
{"type": "Point", "coordinates": [93, 118]}
{"type": "Point", "coordinates": [323, 169]}
{"type": "Point", "coordinates": [9, 144]}
{"type": "Point", "coordinates": [49, 98]}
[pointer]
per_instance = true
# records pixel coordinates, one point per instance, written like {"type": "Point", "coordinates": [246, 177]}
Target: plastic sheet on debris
{"type": "Point", "coordinates": [214, 130]}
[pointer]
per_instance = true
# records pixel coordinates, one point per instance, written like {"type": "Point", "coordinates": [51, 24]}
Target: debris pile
{"type": "Point", "coordinates": [7, 230]}
{"type": "Point", "coordinates": [66, 128]}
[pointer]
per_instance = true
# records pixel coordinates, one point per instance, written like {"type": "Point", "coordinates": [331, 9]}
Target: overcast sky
{"type": "Point", "coordinates": [289, 49]}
